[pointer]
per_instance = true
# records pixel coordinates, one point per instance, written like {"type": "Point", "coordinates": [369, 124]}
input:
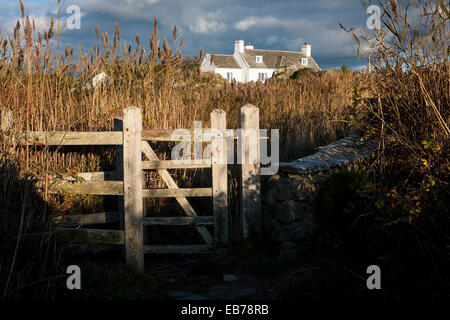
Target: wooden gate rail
{"type": "Point", "coordinates": [185, 249]}
{"type": "Point", "coordinates": [177, 135]}
{"type": "Point", "coordinates": [116, 188]}
{"type": "Point", "coordinates": [73, 138]}
{"type": "Point", "coordinates": [175, 164]}
{"type": "Point", "coordinates": [87, 219]}
{"type": "Point", "coordinates": [178, 221]}
{"type": "Point", "coordinates": [91, 236]}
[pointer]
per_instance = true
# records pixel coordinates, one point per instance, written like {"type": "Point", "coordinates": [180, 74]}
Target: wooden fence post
{"type": "Point", "coordinates": [132, 185]}
{"type": "Point", "coordinates": [250, 171]}
{"type": "Point", "coordinates": [219, 179]}
{"type": "Point", "coordinates": [118, 126]}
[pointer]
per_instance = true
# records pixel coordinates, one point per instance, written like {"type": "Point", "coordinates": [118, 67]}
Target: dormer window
{"type": "Point", "coordinates": [304, 61]}
{"type": "Point", "coordinates": [259, 59]}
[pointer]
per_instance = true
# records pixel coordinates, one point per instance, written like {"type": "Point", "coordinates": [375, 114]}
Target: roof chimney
{"type": "Point", "coordinates": [239, 46]}
{"type": "Point", "coordinates": [249, 46]}
{"type": "Point", "coordinates": [306, 49]}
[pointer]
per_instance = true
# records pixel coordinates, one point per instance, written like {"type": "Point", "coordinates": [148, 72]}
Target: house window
{"type": "Point", "coordinates": [262, 76]}
{"type": "Point", "coordinates": [305, 61]}
{"type": "Point", "coordinates": [259, 59]}
{"type": "Point", "coordinates": [230, 76]}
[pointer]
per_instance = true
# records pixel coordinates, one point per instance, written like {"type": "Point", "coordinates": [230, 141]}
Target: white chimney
{"type": "Point", "coordinates": [306, 49]}
{"type": "Point", "coordinates": [239, 46]}
{"type": "Point", "coordinates": [249, 46]}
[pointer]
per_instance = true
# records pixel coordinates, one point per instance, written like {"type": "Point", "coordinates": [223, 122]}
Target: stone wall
{"type": "Point", "coordinates": [289, 202]}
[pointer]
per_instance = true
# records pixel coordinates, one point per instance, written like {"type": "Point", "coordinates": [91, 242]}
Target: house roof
{"type": "Point", "coordinates": [224, 61]}
{"type": "Point", "coordinates": [273, 59]}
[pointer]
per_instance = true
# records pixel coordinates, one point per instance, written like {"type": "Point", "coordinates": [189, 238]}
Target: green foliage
{"type": "Point", "coordinates": [402, 228]}
{"type": "Point", "coordinates": [301, 72]}
{"type": "Point", "coordinates": [356, 96]}
{"type": "Point", "coordinates": [344, 68]}
{"type": "Point", "coordinates": [336, 200]}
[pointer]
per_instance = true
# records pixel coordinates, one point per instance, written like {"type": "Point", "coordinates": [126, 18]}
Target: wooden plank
{"type": "Point", "coordinates": [132, 188]}
{"type": "Point", "coordinates": [180, 249]}
{"type": "Point", "coordinates": [219, 179]}
{"type": "Point", "coordinates": [178, 221]}
{"type": "Point", "coordinates": [250, 171]}
{"type": "Point", "coordinates": [95, 188]}
{"type": "Point", "coordinates": [98, 176]}
{"type": "Point", "coordinates": [176, 193]}
{"type": "Point", "coordinates": [87, 219]}
{"type": "Point", "coordinates": [175, 164]}
{"type": "Point", "coordinates": [90, 236]}
{"type": "Point", "coordinates": [73, 138]}
{"type": "Point", "coordinates": [166, 135]}
{"type": "Point", "coordinates": [117, 188]}
{"type": "Point", "coordinates": [87, 176]}
{"type": "Point", "coordinates": [92, 248]}
{"type": "Point", "coordinates": [172, 135]}
{"type": "Point", "coordinates": [181, 135]}
{"type": "Point", "coordinates": [171, 184]}
{"type": "Point", "coordinates": [118, 126]}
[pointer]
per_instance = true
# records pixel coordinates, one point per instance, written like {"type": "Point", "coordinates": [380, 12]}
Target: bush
{"type": "Point", "coordinates": [405, 217]}
{"type": "Point", "coordinates": [335, 209]}
{"type": "Point", "coordinates": [301, 72]}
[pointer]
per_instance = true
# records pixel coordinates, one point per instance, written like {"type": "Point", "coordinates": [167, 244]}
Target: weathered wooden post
{"type": "Point", "coordinates": [219, 178]}
{"type": "Point", "coordinates": [249, 158]}
{"type": "Point", "coordinates": [118, 126]}
{"type": "Point", "coordinates": [132, 185]}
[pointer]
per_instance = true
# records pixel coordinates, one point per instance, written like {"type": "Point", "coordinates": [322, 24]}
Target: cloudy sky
{"type": "Point", "coordinates": [213, 24]}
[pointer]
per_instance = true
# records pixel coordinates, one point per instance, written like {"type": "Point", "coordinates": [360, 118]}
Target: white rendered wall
{"type": "Point", "coordinates": [206, 65]}
{"type": "Point", "coordinates": [253, 74]}
{"type": "Point", "coordinates": [237, 73]}
{"type": "Point", "coordinates": [244, 66]}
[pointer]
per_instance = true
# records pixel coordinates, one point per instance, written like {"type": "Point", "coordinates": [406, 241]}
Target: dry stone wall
{"type": "Point", "coordinates": [289, 203]}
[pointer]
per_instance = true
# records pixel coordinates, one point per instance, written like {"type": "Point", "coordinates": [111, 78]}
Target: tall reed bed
{"type": "Point", "coordinates": [45, 86]}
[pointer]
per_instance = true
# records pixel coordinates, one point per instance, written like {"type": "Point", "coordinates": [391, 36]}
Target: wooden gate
{"type": "Point", "coordinates": [126, 182]}
{"type": "Point", "coordinates": [135, 143]}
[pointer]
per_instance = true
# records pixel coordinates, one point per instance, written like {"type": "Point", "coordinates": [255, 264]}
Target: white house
{"type": "Point", "coordinates": [248, 64]}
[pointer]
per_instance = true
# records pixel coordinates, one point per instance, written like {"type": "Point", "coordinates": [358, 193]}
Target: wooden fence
{"type": "Point", "coordinates": [126, 182]}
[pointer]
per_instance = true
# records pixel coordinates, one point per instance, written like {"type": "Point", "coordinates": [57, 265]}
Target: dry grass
{"type": "Point", "coordinates": [48, 90]}
{"type": "Point", "coordinates": [399, 214]}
